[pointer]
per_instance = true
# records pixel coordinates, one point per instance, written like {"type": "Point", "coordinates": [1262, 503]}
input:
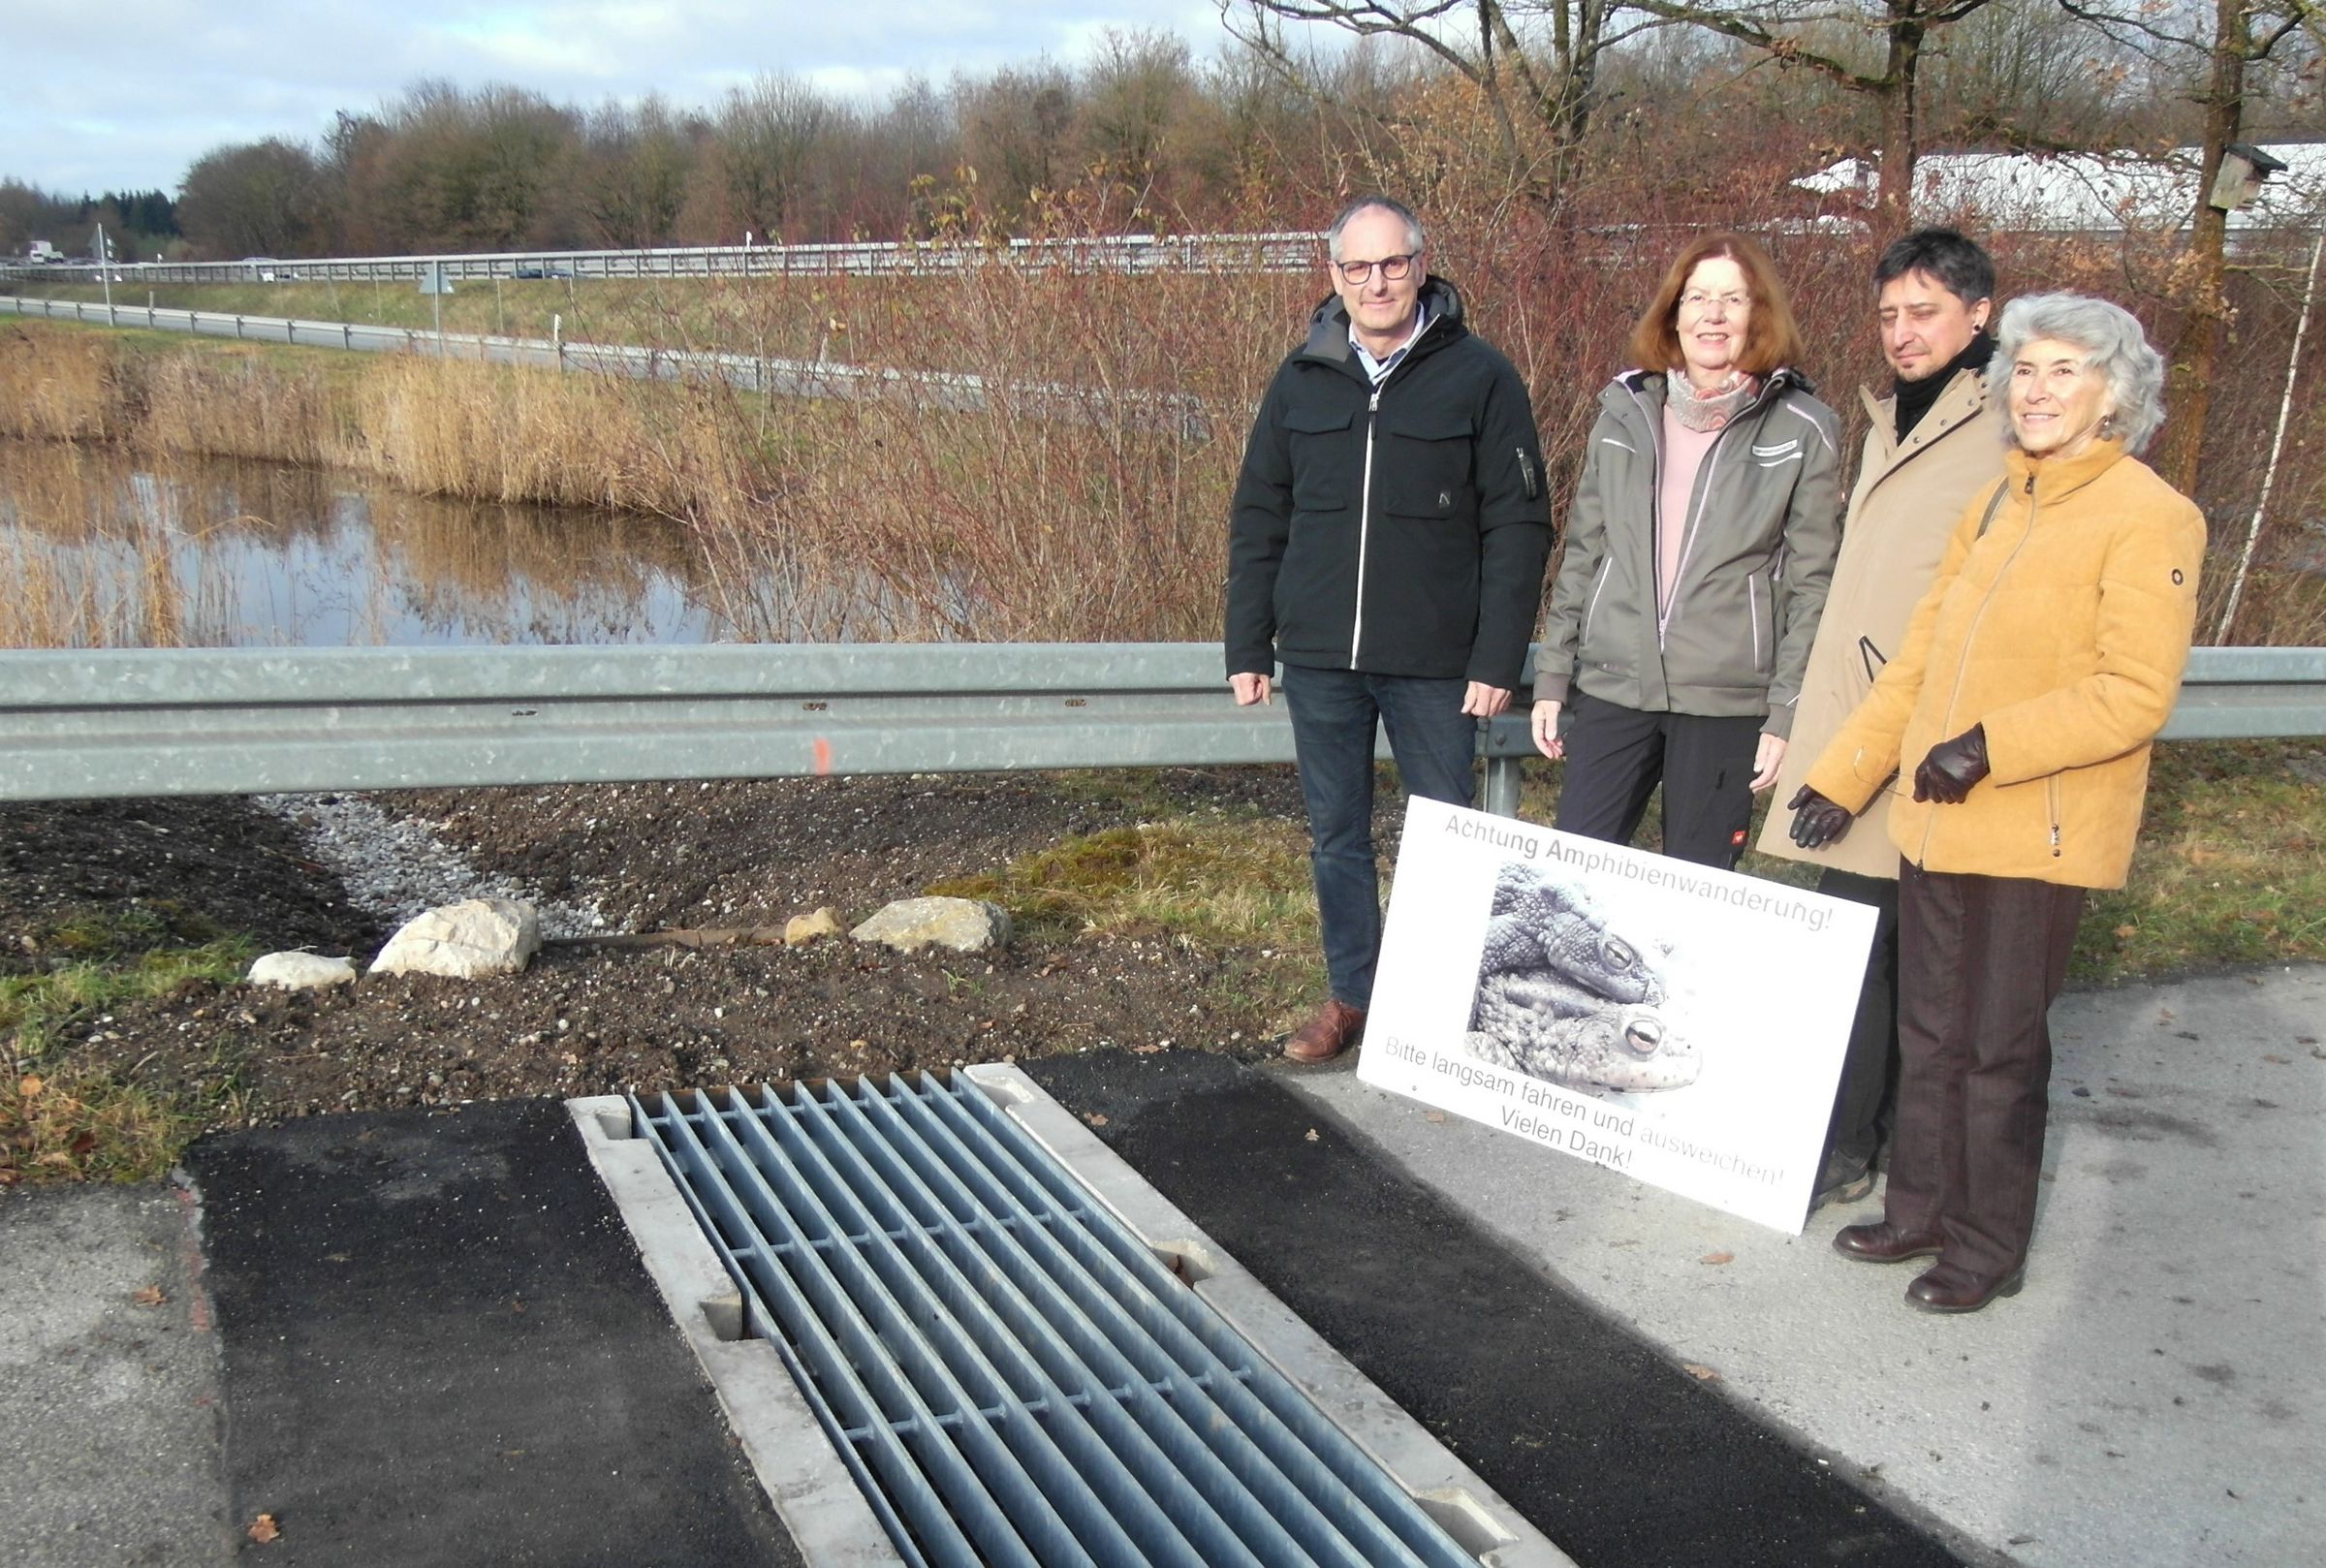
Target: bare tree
{"type": "Point", "coordinates": [631, 171]}
{"type": "Point", "coordinates": [258, 199]}
{"type": "Point", "coordinates": [1533, 63]}
{"type": "Point", "coordinates": [1787, 31]}
{"type": "Point", "coordinates": [764, 148]}
{"type": "Point", "coordinates": [1136, 92]}
{"type": "Point", "coordinates": [2235, 39]}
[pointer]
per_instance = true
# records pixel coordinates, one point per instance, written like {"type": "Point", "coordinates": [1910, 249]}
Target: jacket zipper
{"type": "Point", "coordinates": [1752, 593]}
{"type": "Point", "coordinates": [2051, 796]}
{"type": "Point", "coordinates": [1655, 491]}
{"type": "Point", "coordinates": [1969, 633]}
{"type": "Point", "coordinates": [1364, 525]}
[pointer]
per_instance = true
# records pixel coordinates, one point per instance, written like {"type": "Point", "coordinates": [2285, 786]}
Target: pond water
{"type": "Point", "coordinates": [100, 549]}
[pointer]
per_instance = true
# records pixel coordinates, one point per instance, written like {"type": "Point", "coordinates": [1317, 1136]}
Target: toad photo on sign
{"type": "Point", "coordinates": [1681, 1024]}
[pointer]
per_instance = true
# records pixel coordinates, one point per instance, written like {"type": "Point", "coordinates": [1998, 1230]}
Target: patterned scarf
{"type": "Point", "coordinates": [1708, 410]}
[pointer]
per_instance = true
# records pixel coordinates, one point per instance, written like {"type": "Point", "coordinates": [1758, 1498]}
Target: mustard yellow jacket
{"type": "Point", "coordinates": [2063, 628]}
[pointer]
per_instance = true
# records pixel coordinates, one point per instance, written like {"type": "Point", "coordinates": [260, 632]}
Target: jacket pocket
{"type": "Point", "coordinates": [1422, 464]}
{"type": "Point", "coordinates": [1324, 461]}
{"type": "Point", "coordinates": [1761, 602]}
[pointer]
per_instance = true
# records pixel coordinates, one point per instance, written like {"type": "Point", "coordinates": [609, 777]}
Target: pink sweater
{"type": "Point", "coordinates": [1684, 455]}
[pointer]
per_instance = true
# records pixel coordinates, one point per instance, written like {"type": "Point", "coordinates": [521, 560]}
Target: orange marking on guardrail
{"type": "Point", "coordinates": [822, 756]}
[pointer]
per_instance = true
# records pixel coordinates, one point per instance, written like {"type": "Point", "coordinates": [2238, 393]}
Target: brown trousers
{"type": "Point", "coordinates": [1980, 961]}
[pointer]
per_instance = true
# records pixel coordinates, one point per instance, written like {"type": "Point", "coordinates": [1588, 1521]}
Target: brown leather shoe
{"type": "Point", "coordinates": [1333, 1030]}
{"type": "Point", "coordinates": [1949, 1287]}
{"type": "Point", "coordinates": [1884, 1243]}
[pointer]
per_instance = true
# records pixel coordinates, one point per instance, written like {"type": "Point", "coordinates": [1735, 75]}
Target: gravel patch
{"type": "Point", "coordinates": [395, 867]}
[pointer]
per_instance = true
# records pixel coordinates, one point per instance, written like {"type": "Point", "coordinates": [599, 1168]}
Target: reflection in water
{"type": "Point", "coordinates": [99, 549]}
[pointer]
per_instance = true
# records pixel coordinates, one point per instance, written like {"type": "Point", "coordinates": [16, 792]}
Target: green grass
{"type": "Point", "coordinates": [2231, 867]}
{"type": "Point", "coordinates": [65, 1115]}
{"type": "Point", "coordinates": [1217, 881]}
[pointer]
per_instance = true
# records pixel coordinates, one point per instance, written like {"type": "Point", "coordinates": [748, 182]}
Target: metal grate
{"type": "Point", "coordinates": [1011, 1375]}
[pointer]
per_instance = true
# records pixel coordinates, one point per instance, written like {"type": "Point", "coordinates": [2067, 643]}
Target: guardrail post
{"type": "Point", "coordinates": [1500, 798]}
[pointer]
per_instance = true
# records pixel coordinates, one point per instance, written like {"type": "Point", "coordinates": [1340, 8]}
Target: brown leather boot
{"type": "Point", "coordinates": [1951, 1288]}
{"type": "Point", "coordinates": [1881, 1241]}
{"type": "Point", "coordinates": [1333, 1030]}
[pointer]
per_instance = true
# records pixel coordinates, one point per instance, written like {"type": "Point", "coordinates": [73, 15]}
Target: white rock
{"type": "Point", "coordinates": [301, 971]}
{"type": "Point", "coordinates": [825, 921]}
{"type": "Point", "coordinates": [463, 941]}
{"type": "Point", "coordinates": [963, 925]}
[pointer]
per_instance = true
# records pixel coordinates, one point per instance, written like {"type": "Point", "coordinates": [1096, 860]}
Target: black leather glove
{"type": "Point", "coordinates": [1952, 768]}
{"type": "Point", "coordinates": [1816, 821]}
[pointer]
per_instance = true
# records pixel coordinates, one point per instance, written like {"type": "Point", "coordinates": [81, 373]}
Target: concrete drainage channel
{"type": "Point", "coordinates": [951, 1327]}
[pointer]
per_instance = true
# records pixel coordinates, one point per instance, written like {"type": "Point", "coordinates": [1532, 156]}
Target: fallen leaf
{"type": "Point", "coordinates": [1309, 1136]}
{"type": "Point", "coordinates": [2280, 1060]}
{"type": "Point", "coordinates": [1702, 1374]}
{"type": "Point", "coordinates": [1433, 1115]}
{"type": "Point", "coordinates": [81, 1145]}
{"type": "Point", "coordinates": [147, 1296]}
{"type": "Point", "coordinates": [263, 1529]}
{"type": "Point", "coordinates": [1717, 1257]}
{"type": "Point", "coordinates": [1094, 1118]}
{"type": "Point", "coordinates": [2128, 931]}
{"type": "Point", "coordinates": [28, 1085]}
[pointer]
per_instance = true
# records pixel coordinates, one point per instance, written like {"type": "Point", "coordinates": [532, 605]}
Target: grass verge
{"type": "Point", "coordinates": [66, 1112]}
{"type": "Point", "coordinates": [1234, 885]}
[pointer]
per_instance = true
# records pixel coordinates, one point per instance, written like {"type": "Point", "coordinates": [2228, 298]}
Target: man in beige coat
{"type": "Point", "coordinates": [1932, 444]}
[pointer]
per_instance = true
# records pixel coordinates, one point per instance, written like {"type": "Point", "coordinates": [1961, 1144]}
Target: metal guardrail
{"type": "Point", "coordinates": [956, 392]}
{"type": "Point", "coordinates": [1284, 251]}
{"type": "Point", "coordinates": [80, 724]}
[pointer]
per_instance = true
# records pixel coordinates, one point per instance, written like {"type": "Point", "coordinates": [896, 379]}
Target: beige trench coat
{"type": "Point", "coordinates": [1907, 499]}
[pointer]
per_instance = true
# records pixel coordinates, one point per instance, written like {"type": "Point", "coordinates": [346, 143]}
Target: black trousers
{"type": "Point", "coordinates": [1870, 1066]}
{"type": "Point", "coordinates": [1980, 961]}
{"type": "Point", "coordinates": [1616, 756]}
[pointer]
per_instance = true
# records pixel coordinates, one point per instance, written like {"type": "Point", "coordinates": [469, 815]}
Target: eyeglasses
{"type": "Point", "coordinates": [1392, 267]}
{"type": "Point", "coordinates": [1699, 300]}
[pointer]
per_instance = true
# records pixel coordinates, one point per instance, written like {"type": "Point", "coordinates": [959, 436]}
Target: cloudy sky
{"type": "Point", "coordinates": [126, 95]}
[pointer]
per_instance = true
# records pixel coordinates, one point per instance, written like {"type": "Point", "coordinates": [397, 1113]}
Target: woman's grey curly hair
{"type": "Point", "coordinates": [2110, 334]}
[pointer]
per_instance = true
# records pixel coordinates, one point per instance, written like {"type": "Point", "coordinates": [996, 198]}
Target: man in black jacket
{"type": "Point", "coordinates": [1386, 542]}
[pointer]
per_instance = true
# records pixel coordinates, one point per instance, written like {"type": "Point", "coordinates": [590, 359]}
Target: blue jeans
{"type": "Point", "coordinates": [1334, 714]}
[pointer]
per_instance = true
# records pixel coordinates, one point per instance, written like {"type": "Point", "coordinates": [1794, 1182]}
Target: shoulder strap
{"type": "Point", "coordinates": [1995, 504]}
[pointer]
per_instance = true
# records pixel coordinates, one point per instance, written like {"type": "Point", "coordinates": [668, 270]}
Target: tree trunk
{"type": "Point", "coordinates": [1900, 121]}
{"type": "Point", "coordinates": [2189, 389]}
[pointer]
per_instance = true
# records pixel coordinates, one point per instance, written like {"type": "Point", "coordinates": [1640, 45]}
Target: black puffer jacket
{"type": "Point", "coordinates": [1399, 530]}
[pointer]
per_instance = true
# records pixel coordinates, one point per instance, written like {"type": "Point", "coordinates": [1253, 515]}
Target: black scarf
{"type": "Point", "coordinates": [1915, 397]}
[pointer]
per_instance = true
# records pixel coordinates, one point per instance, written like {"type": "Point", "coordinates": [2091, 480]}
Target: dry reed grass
{"type": "Point", "coordinates": [898, 517]}
{"type": "Point", "coordinates": [59, 387]}
{"type": "Point", "coordinates": [234, 405]}
{"type": "Point", "coordinates": [443, 427]}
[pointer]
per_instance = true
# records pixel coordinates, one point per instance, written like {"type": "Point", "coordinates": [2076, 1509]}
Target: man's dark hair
{"type": "Point", "coordinates": [1966, 272]}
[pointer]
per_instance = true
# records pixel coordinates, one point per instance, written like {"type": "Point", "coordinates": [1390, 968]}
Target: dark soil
{"type": "Point", "coordinates": [589, 1017]}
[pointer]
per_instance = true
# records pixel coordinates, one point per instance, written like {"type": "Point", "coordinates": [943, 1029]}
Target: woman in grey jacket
{"type": "Point", "coordinates": [1699, 546]}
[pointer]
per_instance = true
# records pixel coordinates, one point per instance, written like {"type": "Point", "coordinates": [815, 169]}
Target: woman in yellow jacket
{"type": "Point", "coordinates": [2018, 716]}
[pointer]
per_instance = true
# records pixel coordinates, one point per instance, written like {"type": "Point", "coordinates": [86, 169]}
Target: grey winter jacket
{"type": "Point", "coordinates": [1757, 551]}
